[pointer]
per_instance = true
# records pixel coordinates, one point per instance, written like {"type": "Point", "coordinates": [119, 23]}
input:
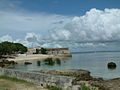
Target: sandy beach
{"type": "Point", "coordinates": [29, 57]}
{"type": "Point", "coordinates": [24, 57]}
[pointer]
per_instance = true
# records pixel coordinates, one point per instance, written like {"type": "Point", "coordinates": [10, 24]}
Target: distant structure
{"type": "Point", "coordinates": [57, 50]}
{"type": "Point", "coordinates": [31, 51]}
{"type": "Point", "coordinates": [37, 50]}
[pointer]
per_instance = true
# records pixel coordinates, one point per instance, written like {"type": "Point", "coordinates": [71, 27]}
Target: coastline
{"type": "Point", "coordinates": [24, 57]}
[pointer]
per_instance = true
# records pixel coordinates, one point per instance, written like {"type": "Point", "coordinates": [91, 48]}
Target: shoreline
{"type": "Point", "coordinates": [84, 77]}
{"type": "Point", "coordinates": [24, 57]}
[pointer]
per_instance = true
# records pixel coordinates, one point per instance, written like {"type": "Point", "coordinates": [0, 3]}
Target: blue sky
{"type": "Point", "coordinates": [61, 23]}
{"type": "Point", "coordinates": [68, 7]}
{"type": "Point", "coordinates": [62, 7]}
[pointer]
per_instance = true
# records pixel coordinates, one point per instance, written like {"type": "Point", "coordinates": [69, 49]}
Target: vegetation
{"type": "Point", "coordinates": [53, 87]}
{"type": "Point", "coordinates": [84, 87]}
{"type": "Point", "coordinates": [58, 61]}
{"type": "Point", "coordinates": [9, 83]}
{"type": "Point", "coordinates": [38, 63]}
{"type": "Point", "coordinates": [61, 73]}
{"type": "Point", "coordinates": [8, 48]}
{"type": "Point", "coordinates": [49, 61]}
{"type": "Point", "coordinates": [43, 51]}
{"type": "Point", "coordinates": [67, 74]}
{"type": "Point", "coordinates": [13, 79]}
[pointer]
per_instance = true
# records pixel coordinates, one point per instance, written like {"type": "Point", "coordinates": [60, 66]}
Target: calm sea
{"type": "Point", "coordinates": [95, 62]}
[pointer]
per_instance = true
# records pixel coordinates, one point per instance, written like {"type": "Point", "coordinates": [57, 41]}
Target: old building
{"type": "Point", "coordinates": [37, 50]}
{"type": "Point", "coordinates": [57, 50]}
{"type": "Point", "coordinates": [31, 51]}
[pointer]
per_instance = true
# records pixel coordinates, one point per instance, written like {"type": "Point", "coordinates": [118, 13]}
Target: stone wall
{"type": "Point", "coordinates": [39, 78]}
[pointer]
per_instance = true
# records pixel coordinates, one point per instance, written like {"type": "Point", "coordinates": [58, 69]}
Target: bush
{"type": "Point", "coordinates": [43, 51]}
{"type": "Point", "coordinates": [58, 61]}
{"type": "Point", "coordinates": [49, 61]}
{"type": "Point", "coordinates": [38, 63]}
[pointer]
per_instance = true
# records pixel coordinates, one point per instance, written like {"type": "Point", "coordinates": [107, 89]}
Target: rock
{"type": "Point", "coordinates": [111, 65]}
{"type": "Point", "coordinates": [76, 87]}
{"type": "Point", "coordinates": [78, 73]}
{"type": "Point", "coordinates": [1, 64]}
{"type": "Point", "coordinates": [5, 63]}
{"type": "Point", "coordinates": [13, 62]}
{"type": "Point", "coordinates": [28, 63]}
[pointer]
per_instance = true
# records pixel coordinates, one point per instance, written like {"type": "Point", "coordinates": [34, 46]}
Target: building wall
{"type": "Point", "coordinates": [57, 51]}
{"type": "Point", "coordinates": [31, 50]}
{"type": "Point", "coordinates": [50, 51]}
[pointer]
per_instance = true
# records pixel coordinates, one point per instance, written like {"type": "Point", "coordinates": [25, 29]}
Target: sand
{"type": "Point", "coordinates": [24, 57]}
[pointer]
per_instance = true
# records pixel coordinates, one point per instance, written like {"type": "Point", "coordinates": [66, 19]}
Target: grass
{"type": "Point", "coordinates": [84, 87]}
{"type": "Point", "coordinates": [13, 79]}
{"type": "Point", "coordinates": [53, 87]}
{"type": "Point", "coordinates": [10, 83]}
{"type": "Point", "coordinates": [67, 74]}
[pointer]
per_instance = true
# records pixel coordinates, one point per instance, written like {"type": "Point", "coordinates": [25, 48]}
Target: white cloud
{"type": "Point", "coordinates": [95, 25]}
{"type": "Point", "coordinates": [61, 31]}
{"type": "Point", "coordinates": [6, 38]}
{"type": "Point", "coordinates": [30, 40]}
{"type": "Point", "coordinates": [51, 45]}
{"type": "Point", "coordinates": [32, 37]}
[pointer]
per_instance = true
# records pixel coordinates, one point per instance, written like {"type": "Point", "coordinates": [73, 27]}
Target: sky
{"type": "Point", "coordinates": [89, 25]}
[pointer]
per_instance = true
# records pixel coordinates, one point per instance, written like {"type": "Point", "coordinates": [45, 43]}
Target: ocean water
{"type": "Point", "coordinates": [95, 62]}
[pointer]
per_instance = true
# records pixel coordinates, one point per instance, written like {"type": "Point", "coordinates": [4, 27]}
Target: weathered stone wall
{"type": "Point", "coordinates": [39, 78]}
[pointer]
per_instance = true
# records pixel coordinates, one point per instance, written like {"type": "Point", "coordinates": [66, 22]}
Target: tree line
{"type": "Point", "coordinates": [8, 48]}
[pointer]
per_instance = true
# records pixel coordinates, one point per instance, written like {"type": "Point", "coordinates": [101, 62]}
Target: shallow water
{"type": "Point", "coordinates": [96, 63]}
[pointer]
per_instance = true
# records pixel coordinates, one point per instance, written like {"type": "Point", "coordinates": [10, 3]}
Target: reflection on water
{"type": "Point", "coordinates": [96, 63]}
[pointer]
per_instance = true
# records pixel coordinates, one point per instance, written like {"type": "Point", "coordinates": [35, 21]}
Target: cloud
{"type": "Point", "coordinates": [32, 37]}
{"type": "Point", "coordinates": [30, 40]}
{"type": "Point", "coordinates": [50, 30]}
{"type": "Point", "coordinates": [6, 38]}
{"type": "Point", "coordinates": [30, 22]}
{"type": "Point", "coordinates": [33, 40]}
{"type": "Point", "coordinates": [95, 25]}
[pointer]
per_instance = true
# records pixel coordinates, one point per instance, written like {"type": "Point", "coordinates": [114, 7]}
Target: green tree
{"type": "Point", "coordinates": [7, 48]}
{"type": "Point", "coordinates": [43, 51]}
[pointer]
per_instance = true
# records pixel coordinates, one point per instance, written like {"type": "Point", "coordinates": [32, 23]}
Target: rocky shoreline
{"type": "Point", "coordinates": [6, 63]}
{"type": "Point", "coordinates": [83, 76]}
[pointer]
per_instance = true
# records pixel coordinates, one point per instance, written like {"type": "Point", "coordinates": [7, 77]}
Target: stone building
{"type": "Point", "coordinates": [37, 50]}
{"type": "Point", "coordinates": [31, 51]}
{"type": "Point", "coordinates": [57, 50]}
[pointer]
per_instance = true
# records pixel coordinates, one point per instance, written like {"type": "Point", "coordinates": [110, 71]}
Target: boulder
{"type": "Point", "coordinates": [75, 87]}
{"type": "Point", "coordinates": [5, 63]}
{"type": "Point", "coordinates": [112, 65]}
{"type": "Point", "coordinates": [27, 63]}
{"type": "Point", "coordinates": [12, 62]}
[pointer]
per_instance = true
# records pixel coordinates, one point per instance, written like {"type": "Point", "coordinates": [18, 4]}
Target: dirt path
{"type": "Point", "coordinates": [11, 85]}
